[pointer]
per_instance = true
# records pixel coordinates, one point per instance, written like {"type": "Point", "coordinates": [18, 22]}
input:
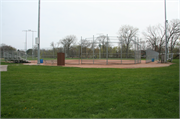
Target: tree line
{"type": "Point", "coordinates": [152, 37]}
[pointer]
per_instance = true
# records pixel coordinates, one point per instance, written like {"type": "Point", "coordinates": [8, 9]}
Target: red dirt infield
{"type": "Point", "coordinates": [102, 64]}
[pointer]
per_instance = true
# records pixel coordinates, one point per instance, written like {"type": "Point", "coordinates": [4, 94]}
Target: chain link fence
{"type": "Point", "coordinates": [110, 50]}
{"type": "Point", "coordinates": [95, 50]}
{"type": "Point", "coordinates": [49, 55]}
{"type": "Point", "coordinates": [151, 56]}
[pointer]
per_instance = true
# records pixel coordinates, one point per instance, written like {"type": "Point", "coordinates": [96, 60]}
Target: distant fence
{"type": "Point", "coordinates": [110, 50]}
{"type": "Point", "coordinates": [72, 53]}
{"type": "Point", "coordinates": [93, 50]}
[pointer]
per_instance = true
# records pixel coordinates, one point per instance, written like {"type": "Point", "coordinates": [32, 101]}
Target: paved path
{"type": "Point", "coordinates": [3, 67]}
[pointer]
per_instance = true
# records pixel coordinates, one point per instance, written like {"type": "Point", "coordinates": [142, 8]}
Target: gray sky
{"type": "Point", "coordinates": [81, 18]}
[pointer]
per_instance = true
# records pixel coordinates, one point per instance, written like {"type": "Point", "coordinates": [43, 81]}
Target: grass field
{"type": "Point", "coordinates": [64, 92]}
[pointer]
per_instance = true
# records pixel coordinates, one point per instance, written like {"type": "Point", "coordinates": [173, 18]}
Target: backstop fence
{"type": "Point", "coordinates": [110, 50]}
{"type": "Point", "coordinates": [94, 50]}
{"type": "Point", "coordinates": [72, 55]}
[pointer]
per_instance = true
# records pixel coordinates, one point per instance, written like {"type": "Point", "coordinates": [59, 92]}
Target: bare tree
{"type": "Point", "coordinates": [59, 49]}
{"type": "Point", "coordinates": [173, 33]}
{"type": "Point", "coordinates": [101, 39]}
{"type": "Point", "coordinates": [155, 35]}
{"type": "Point", "coordinates": [151, 36]}
{"type": "Point", "coordinates": [161, 36]}
{"type": "Point", "coordinates": [53, 45]}
{"type": "Point", "coordinates": [68, 41]}
{"type": "Point", "coordinates": [86, 45]}
{"type": "Point", "coordinates": [143, 45]}
{"type": "Point", "coordinates": [173, 42]}
{"type": "Point", "coordinates": [127, 33]}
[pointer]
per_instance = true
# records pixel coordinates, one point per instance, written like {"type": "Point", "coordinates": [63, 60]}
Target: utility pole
{"type": "Point", "coordinates": [38, 44]}
{"type": "Point", "coordinates": [165, 32]}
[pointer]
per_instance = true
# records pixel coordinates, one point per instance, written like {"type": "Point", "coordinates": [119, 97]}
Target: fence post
{"type": "Point", "coordinates": [137, 50]}
{"type": "Point", "coordinates": [107, 51]}
{"type": "Point", "coordinates": [146, 55]}
{"type": "Point", "coordinates": [140, 50]}
{"type": "Point", "coordinates": [79, 54]}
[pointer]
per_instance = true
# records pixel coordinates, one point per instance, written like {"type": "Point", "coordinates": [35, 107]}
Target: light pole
{"type": "Point", "coordinates": [32, 42]}
{"type": "Point", "coordinates": [38, 62]}
{"type": "Point", "coordinates": [26, 42]}
{"type": "Point", "coordinates": [165, 32]}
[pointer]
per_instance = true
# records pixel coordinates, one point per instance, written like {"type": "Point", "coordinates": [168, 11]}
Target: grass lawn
{"type": "Point", "coordinates": [65, 92]}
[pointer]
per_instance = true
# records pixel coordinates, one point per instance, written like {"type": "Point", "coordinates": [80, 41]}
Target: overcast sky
{"type": "Point", "coordinates": [80, 18]}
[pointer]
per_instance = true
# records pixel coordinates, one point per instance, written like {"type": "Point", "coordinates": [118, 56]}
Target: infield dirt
{"type": "Point", "coordinates": [143, 64]}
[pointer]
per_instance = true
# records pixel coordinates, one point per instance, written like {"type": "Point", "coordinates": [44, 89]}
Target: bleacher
{"type": "Point", "coordinates": [15, 57]}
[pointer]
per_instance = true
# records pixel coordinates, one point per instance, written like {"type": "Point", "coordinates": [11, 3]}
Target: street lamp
{"type": "Point", "coordinates": [26, 41]}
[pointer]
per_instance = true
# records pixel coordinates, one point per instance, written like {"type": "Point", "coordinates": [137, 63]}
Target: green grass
{"type": "Point", "coordinates": [64, 92]}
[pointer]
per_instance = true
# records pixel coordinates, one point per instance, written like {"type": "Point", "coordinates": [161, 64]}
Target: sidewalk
{"type": "Point", "coordinates": [3, 67]}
